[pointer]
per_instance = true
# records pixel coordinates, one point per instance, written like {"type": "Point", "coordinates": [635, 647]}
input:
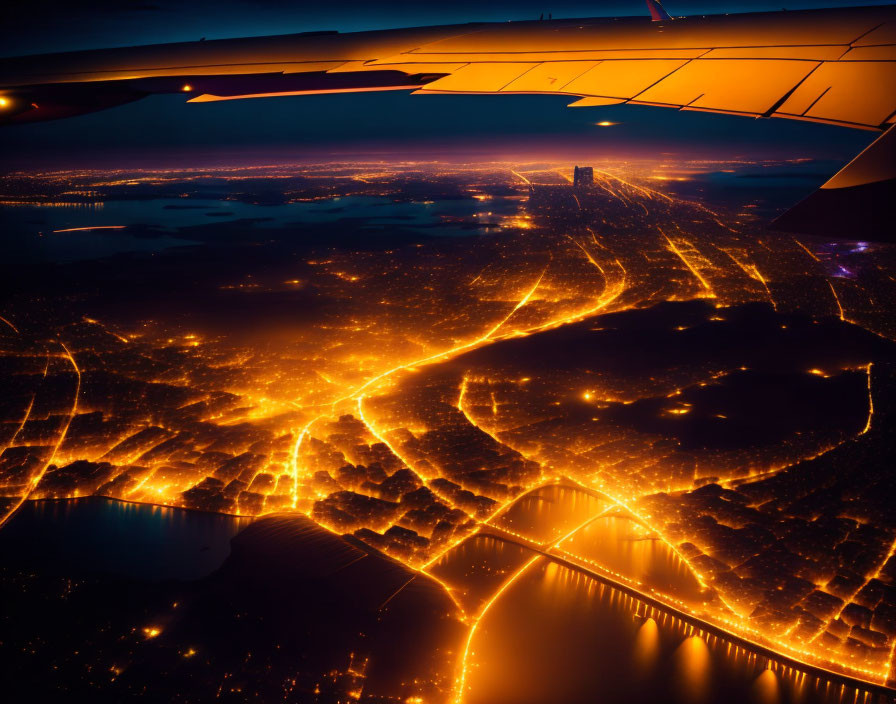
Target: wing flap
{"type": "Point", "coordinates": [594, 102]}
{"type": "Point", "coordinates": [729, 84]}
{"type": "Point", "coordinates": [479, 78]}
{"type": "Point", "coordinates": [549, 77]}
{"type": "Point", "coordinates": [622, 79]}
{"type": "Point", "coordinates": [848, 92]}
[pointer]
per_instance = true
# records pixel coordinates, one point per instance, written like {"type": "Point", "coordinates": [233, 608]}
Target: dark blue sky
{"type": "Point", "coordinates": [164, 128]}
{"type": "Point", "coordinates": [37, 26]}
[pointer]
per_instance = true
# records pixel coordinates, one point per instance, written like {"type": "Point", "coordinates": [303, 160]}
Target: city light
{"type": "Point", "coordinates": [369, 403]}
{"type": "Point", "coordinates": [407, 414]}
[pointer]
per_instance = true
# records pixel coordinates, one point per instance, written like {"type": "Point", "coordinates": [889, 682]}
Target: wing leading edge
{"type": "Point", "coordinates": [835, 66]}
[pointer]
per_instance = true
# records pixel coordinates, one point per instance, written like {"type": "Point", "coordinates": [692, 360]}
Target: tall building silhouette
{"type": "Point", "coordinates": [582, 176]}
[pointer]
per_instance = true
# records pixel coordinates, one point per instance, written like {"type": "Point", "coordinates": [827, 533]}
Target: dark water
{"type": "Point", "coordinates": [553, 636]}
{"type": "Point", "coordinates": [558, 636]}
{"type": "Point", "coordinates": [769, 188]}
{"type": "Point", "coordinates": [155, 224]}
{"type": "Point", "coordinates": [94, 535]}
{"type": "Point", "coordinates": [550, 633]}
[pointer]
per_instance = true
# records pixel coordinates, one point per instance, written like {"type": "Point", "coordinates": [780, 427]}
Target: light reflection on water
{"type": "Point", "coordinates": [559, 636]}
{"type": "Point", "coordinates": [98, 535]}
{"type": "Point", "coordinates": [30, 227]}
{"type": "Point", "coordinates": [549, 513]}
{"type": "Point", "coordinates": [477, 567]}
{"type": "Point", "coordinates": [621, 545]}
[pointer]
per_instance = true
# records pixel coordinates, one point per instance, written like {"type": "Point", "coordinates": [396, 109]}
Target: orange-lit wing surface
{"type": "Point", "coordinates": [836, 66]}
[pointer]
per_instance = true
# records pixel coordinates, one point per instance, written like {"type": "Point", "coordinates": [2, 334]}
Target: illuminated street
{"type": "Point", "coordinates": [632, 396]}
{"type": "Point", "coordinates": [448, 353]}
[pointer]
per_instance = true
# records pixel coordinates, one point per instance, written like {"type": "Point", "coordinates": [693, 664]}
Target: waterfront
{"type": "Point", "coordinates": [94, 535]}
{"type": "Point", "coordinates": [610, 382]}
{"type": "Point", "coordinates": [557, 635]}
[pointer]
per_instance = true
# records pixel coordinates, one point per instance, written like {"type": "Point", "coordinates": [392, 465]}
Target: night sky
{"type": "Point", "coordinates": [164, 129]}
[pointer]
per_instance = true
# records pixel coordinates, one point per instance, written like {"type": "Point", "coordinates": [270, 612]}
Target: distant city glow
{"type": "Point", "coordinates": [566, 383]}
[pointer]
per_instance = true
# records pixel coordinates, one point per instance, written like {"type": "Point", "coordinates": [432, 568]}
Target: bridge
{"type": "Point", "coordinates": [647, 597]}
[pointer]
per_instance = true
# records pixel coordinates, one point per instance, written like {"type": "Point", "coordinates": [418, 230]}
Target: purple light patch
{"type": "Point", "coordinates": [842, 271]}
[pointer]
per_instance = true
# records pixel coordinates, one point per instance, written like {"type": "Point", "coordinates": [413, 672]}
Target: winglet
{"type": "Point", "coordinates": [657, 13]}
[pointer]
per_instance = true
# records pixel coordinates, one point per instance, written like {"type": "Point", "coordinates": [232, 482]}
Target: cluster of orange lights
{"type": "Point", "coordinates": [537, 288]}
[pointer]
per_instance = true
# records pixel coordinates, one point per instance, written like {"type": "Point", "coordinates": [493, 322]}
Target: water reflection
{"type": "Point", "coordinates": [476, 568]}
{"type": "Point", "coordinates": [559, 636]}
{"type": "Point", "coordinates": [766, 688]}
{"type": "Point", "coordinates": [620, 545]}
{"type": "Point", "coordinates": [34, 227]}
{"type": "Point", "coordinates": [647, 647]}
{"type": "Point", "coordinates": [548, 513]}
{"type": "Point", "coordinates": [99, 535]}
{"type": "Point", "coordinates": [692, 670]}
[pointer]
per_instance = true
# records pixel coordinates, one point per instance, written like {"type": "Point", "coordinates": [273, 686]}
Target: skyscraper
{"type": "Point", "coordinates": [583, 176]}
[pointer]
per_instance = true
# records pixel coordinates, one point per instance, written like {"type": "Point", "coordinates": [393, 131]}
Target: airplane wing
{"type": "Point", "coordinates": [828, 66]}
{"type": "Point", "coordinates": [836, 66]}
